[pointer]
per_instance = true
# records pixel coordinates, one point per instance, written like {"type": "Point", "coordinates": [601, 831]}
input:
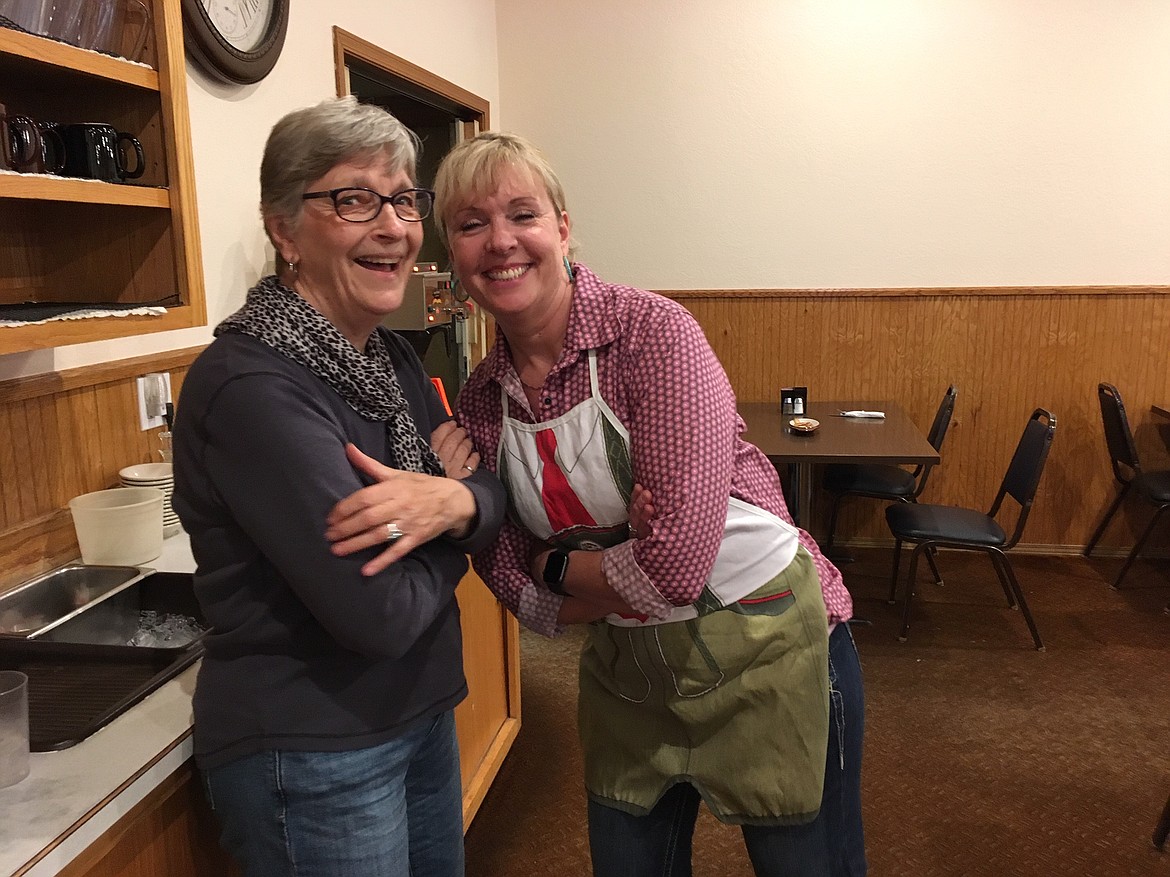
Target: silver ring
{"type": "Point", "coordinates": [393, 533]}
{"type": "Point", "coordinates": [468, 468]}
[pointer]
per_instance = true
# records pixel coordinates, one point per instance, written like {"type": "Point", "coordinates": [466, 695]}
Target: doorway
{"type": "Point", "coordinates": [442, 114]}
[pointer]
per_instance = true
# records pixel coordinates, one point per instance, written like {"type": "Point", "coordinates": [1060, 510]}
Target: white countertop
{"type": "Point", "coordinates": [73, 796]}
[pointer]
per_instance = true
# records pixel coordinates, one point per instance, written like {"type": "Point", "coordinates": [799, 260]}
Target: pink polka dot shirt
{"type": "Point", "coordinates": [662, 380]}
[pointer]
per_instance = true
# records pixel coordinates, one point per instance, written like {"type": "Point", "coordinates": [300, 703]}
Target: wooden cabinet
{"type": "Point", "coordinates": [488, 720]}
{"type": "Point", "coordinates": [66, 240]}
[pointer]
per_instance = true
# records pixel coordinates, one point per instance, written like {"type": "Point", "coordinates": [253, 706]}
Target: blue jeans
{"type": "Point", "coordinates": [832, 845]}
{"type": "Point", "coordinates": [391, 810]}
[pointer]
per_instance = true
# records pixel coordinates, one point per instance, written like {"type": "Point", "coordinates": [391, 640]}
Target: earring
{"type": "Point", "coordinates": [458, 292]}
{"type": "Point", "coordinates": [569, 269]}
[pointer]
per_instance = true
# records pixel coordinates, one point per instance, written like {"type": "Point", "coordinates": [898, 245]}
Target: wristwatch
{"type": "Point", "coordinates": [555, 568]}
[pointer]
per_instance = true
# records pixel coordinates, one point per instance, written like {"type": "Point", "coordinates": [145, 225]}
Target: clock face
{"type": "Point", "coordinates": [241, 22]}
{"type": "Point", "coordinates": [236, 41]}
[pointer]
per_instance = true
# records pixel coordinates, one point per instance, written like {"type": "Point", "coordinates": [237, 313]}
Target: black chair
{"type": "Point", "coordinates": [935, 526]}
{"type": "Point", "coordinates": [880, 481]}
{"type": "Point", "coordinates": [1127, 469]}
{"type": "Point", "coordinates": [1163, 828]}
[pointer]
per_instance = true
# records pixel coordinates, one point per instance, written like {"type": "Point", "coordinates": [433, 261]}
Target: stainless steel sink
{"type": "Point", "coordinates": [82, 673]}
{"type": "Point", "coordinates": [39, 605]}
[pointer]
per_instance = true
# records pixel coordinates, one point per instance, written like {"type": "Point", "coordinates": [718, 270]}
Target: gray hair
{"type": "Point", "coordinates": [472, 170]}
{"type": "Point", "coordinates": [307, 143]}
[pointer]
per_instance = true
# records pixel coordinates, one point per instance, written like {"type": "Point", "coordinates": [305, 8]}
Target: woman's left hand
{"type": "Point", "coordinates": [419, 507]}
{"type": "Point", "coordinates": [453, 447]}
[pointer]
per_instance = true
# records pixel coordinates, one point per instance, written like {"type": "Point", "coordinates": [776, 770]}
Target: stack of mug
{"type": "Point", "coordinates": [91, 150]}
{"type": "Point", "coordinates": [91, 24]}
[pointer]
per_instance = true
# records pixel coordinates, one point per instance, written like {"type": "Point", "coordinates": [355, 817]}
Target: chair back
{"type": "Point", "coordinates": [1118, 436]}
{"type": "Point", "coordinates": [938, 432]}
{"type": "Point", "coordinates": [1025, 469]}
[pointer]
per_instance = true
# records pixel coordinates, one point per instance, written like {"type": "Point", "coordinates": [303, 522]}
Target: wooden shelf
{"type": "Point", "coordinates": [14, 339]}
{"type": "Point", "coordinates": [65, 240]}
{"type": "Point", "coordinates": [46, 188]}
{"type": "Point", "coordinates": [43, 53]}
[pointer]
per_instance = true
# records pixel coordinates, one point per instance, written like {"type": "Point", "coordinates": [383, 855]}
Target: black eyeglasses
{"type": "Point", "coordinates": [363, 205]}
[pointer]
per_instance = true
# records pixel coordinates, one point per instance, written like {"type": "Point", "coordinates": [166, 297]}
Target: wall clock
{"type": "Point", "coordinates": [236, 41]}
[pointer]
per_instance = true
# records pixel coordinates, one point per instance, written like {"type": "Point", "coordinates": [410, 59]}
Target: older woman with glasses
{"type": "Point", "coordinates": [324, 721]}
{"type": "Point", "coordinates": [719, 665]}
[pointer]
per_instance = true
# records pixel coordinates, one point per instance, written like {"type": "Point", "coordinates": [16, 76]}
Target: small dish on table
{"type": "Point", "coordinates": [803, 425]}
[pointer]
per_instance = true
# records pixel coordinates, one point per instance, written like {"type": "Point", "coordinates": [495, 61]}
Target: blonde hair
{"type": "Point", "coordinates": [473, 168]}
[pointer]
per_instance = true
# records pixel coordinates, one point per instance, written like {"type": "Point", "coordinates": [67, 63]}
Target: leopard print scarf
{"type": "Point", "coordinates": [291, 326]}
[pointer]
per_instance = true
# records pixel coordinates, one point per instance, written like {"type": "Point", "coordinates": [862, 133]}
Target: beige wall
{"type": "Point", "coordinates": [763, 143]}
{"type": "Point", "coordinates": [852, 143]}
{"type": "Point", "coordinates": [455, 39]}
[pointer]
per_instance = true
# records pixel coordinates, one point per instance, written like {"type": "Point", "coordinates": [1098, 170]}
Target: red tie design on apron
{"type": "Point", "coordinates": [561, 503]}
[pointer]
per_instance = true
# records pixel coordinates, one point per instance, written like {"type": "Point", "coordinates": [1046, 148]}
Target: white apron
{"type": "Point", "coordinates": [569, 482]}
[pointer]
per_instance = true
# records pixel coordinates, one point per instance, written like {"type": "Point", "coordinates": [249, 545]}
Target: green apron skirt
{"type": "Point", "coordinates": [735, 702]}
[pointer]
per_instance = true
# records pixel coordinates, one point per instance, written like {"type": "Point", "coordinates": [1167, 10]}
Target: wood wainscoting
{"type": "Point", "coordinates": [1008, 350]}
{"type": "Point", "coordinates": [65, 434]}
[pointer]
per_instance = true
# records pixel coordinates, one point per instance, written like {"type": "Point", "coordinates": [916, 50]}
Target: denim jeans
{"type": "Point", "coordinates": [832, 845]}
{"type": "Point", "coordinates": [390, 810]}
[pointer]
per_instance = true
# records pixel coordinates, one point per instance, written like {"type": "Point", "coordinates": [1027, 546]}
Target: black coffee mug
{"type": "Point", "coordinates": [22, 147]}
{"type": "Point", "coordinates": [94, 150]}
{"type": "Point", "coordinates": [50, 156]}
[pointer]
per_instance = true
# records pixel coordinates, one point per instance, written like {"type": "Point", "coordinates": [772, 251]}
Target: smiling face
{"type": "Point", "coordinates": [354, 273]}
{"type": "Point", "coordinates": [508, 247]}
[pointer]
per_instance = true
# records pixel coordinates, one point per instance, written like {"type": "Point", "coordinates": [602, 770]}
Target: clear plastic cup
{"type": "Point", "coordinates": [14, 757]}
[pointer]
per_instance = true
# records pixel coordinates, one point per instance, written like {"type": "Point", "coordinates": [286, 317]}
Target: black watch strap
{"type": "Point", "coordinates": [556, 566]}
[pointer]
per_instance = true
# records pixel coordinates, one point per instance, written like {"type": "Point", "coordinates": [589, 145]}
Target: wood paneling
{"type": "Point", "coordinates": [62, 435]}
{"type": "Point", "coordinates": [1007, 350]}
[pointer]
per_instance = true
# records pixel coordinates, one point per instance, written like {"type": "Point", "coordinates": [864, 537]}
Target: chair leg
{"type": "Point", "coordinates": [828, 549]}
{"type": "Point", "coordinates": [893, 598]}
{"type": "Point", "coordinates": [918, 549]}
{"type": "Point", "coordinates": [1004, 580]}
{"type": "Point", "coordinates": [930, 553]}
{"type": "Point", "coordinates": [1100, 531]}
{"type": "Point", "coordinates": [1163, 827]}
{"type": "Point", "coordinates": [1007, 568]}
{"type": "Point", "coordinates": [1133, 555]}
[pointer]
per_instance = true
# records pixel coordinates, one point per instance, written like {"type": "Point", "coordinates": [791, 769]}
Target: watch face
{"type": "Point", "coordinates": [241, 22]}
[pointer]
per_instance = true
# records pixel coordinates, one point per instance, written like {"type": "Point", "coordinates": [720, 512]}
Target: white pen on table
{"type": "Point", "coordinates": [874, 415]}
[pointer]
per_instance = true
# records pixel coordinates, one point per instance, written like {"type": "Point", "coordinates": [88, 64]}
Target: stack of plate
{"type": "Point", "coordinates": [162, 476]}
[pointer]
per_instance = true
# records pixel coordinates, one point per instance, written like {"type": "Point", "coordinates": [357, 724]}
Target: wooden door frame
{"type": "Point", "coordinates": [348, 47]}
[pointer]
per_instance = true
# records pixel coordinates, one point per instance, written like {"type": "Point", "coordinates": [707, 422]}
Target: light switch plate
{"type": "Point", "coordinates": [154, 392]}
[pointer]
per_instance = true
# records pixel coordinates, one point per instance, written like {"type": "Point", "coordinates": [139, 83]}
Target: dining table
{"type": "Point", "coordinates": [892, 439]}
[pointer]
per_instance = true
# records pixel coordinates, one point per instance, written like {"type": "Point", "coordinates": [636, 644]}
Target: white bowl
{"type": "Point", "coordinates": [144, 472]}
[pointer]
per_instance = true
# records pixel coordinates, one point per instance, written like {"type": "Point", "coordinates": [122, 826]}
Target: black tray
{"type": "Point", "coordinates": [74, 688]}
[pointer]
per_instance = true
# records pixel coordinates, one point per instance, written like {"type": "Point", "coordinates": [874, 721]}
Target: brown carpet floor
{"type": "Point", "coordinates": [983, 756]}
